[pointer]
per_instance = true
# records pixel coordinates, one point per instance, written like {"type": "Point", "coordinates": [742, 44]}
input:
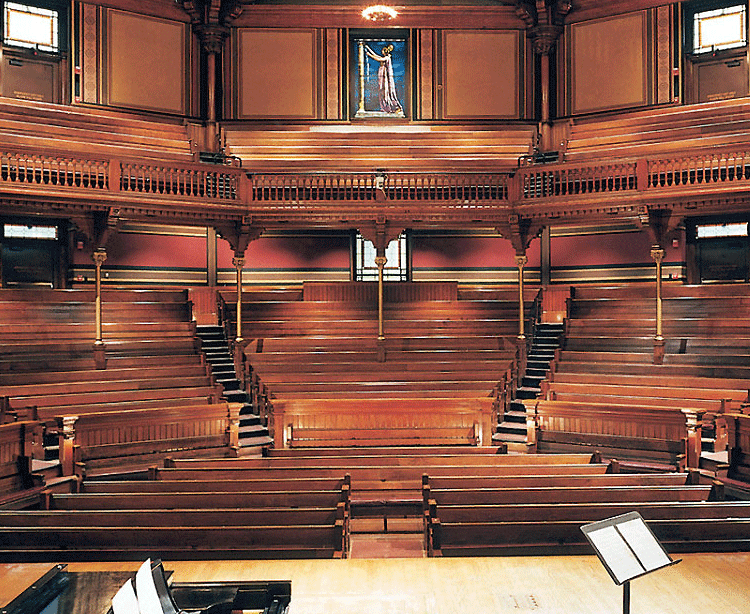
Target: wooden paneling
{"type": "Point", "coordinates": [29, 79]}
{"type": "Point", "coordinates": [481, 74]}
{"type": "Point", "coordinates": [609, 63]}
{"type": "Point", "coordinates": [277, 73]}
{"type": "Point", "coordinates": [146, 62]}
{"type": "Point", "coordinates": [393, 292]}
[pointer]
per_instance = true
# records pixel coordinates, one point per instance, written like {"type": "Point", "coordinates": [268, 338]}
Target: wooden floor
{"type": "Point", "coordinates": [554, 585]}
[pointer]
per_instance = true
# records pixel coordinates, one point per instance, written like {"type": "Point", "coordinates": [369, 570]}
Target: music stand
{"type": "Point", "coordinates": [628, 549]}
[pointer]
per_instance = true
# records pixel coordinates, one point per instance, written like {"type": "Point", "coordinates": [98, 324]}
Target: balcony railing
{"type": "Point", "coordinates": [444, 195]}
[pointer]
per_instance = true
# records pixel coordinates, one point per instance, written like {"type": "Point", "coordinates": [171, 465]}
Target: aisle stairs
{"type": "Point", "coordinates": [512, 426]}
{"type": "Point", "coordinates": [253, 433]}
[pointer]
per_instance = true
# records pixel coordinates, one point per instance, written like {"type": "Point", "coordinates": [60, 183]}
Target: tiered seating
{"type": "Point", "coordinates": [89, 132]}
{"type": "Point", "coordinates": [300, 148]}
{"type": "Point", "coordinates": [538, 513]}
{"type": "Point", "coordinates": [152, 361]}
{"type": "Point", "coordinates": [130, 523]}
{"type": "Point", "coordinates": [448, 364]}
{"type": "Point", "coordinates": [606, 367]}
{"type": "Point", "coordinates": [660, 132]}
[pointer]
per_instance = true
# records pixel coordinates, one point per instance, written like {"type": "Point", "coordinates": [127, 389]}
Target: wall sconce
{"type": "Point", "coordinates": [379, 12]}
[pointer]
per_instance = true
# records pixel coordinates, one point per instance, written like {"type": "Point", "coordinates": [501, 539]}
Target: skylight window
{"type": "Point", "coordinates": [719, 29]}
{"type": "Point", "coordinates": [31, 26]}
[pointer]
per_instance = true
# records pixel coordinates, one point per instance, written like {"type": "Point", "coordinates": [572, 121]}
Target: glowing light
{"type": "Point", "coordinates": [379, 12]}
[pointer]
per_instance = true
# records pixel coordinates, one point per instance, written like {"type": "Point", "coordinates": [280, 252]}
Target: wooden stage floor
{"type": "Point", "coordinates": [540, 585]}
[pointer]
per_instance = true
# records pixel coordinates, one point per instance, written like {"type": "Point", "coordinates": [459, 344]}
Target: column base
{"type": "Point", "coordinates": [659, 350]}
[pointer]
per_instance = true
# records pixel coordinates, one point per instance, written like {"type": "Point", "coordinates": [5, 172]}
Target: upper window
{"type": "Point", "coordinates": [30, 26]}
{"type": "Point", "coordinates": [722, 28]}
{"type": "Point", "coordinates": [22, 231]}
{"type": "Point", "coordinates": [716, 231]}
{"type": "Point", "coordinates": [396, 268]}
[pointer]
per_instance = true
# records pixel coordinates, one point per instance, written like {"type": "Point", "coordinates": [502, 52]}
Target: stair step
{"type": "Point", "coordinates": [515, 437]}
{"type": "Point", "coordinates": [253, 442]}
{"type": "Point", "coordinates": [527, 392]}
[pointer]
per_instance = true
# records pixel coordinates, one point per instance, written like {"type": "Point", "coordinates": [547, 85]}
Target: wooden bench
{"type": "Point", "coordinates": [113, 442]}
{"type": "Point", "coordinates": [393, 421]}
{"type": "Point", "coordinates": [101, 132]}
{"type": "Point", "coordinates": [658, 131]}
{"type": "Point", "coordinates": [565, 537]}
{"type": "Point", "coordinates": [648, 436]}
{"type": "Point", "coordinates": [344, 148]}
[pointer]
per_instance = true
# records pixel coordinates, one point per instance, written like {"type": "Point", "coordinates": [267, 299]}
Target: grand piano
{"type": "Point", "coordinates": [60, 591]}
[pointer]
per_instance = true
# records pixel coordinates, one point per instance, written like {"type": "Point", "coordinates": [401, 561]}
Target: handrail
{"type": "Point", "coordinates": [440, 195]}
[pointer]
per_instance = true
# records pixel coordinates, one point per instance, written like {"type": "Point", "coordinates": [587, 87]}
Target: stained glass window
{"type": "Point", "coordinates": [31, 26]}
{"type": "Point", "coordinates": [396, 264]}
{"type": "Point", "coordinates": [719, 29]}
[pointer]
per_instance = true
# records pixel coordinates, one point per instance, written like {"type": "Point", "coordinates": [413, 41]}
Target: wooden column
{"type": "Point", "coordinates": [657, 253]}
{"type": "Point", "coordinates": [521, 261]}
{"type": "Point", "coordinates": [380, 262]}
{"type": "Point", "coordinates": [239, 263]}
{"type": "Point", "coordinates": [99, 256]}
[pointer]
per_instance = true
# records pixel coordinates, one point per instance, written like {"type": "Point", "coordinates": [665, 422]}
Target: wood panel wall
{"type": "Point", "coordinates": [278, 73]}
{"type": "Point", "coordinates": [608, 63]}
{"type": "Point", "coordinates": [147, 63]}
{"type": "Point", "coordinates": [482, 76]}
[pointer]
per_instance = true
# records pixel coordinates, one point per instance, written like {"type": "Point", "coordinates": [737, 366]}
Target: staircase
{"type": "Point", "coordinates": [253, 434]}
{"type": "Point", "coordinates": [512, 427]}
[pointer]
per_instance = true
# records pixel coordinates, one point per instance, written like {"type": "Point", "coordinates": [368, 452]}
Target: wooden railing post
{"type": "Point", "coordinates": [66, 442]}
{"type": "Point", "coordinates": [694, 421]}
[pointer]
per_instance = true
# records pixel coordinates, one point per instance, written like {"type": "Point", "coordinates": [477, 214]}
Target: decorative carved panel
{"type": "Point", "coordinates": [89, 53]}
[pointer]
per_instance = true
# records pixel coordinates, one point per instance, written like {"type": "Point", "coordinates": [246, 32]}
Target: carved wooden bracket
{"type": "Point", "coordinates": [659, 223]}
{"type": "Point", "coordinates": [239, 235]}
{"type": "Point", "coordinates": [97, 226]}
{"type": "Point", "coordinates": [381, 233]}
{"type": "Point", "coordinates": [520, 232]}
{"type": "Point", "coordinates": [544, 21]}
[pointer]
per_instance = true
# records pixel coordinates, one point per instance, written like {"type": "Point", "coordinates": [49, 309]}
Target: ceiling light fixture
{"type": "Point", "coordinates": [379, 12]}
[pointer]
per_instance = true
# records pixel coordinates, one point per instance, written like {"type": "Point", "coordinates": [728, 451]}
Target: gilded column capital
{"type": "Point", "coordinates": [238, 263]}
{"type": "Point", "coordinates": [99, 257]}
{"type": "Point", "coordinates": [657, 254]}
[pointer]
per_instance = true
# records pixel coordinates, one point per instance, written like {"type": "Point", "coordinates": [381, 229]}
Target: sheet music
{"type": "Point", "coordinates": [644, 544]}
{"type": "Point", "coordinates": [619, 556]}
{"type": "Point", "coordinates": [125, 601]}
{"type": "Point", "coordinates": [148, 598]}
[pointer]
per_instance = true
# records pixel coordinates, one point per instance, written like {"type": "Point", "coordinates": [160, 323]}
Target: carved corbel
{"type": "Point", "coordinates": [239, 235]}
{"type": "Point", "coordinates": [380, 233]}
{"type": "Point", "coordinates": [659, 223]}
{"type": "Point", "coordinates": [98, 227]}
